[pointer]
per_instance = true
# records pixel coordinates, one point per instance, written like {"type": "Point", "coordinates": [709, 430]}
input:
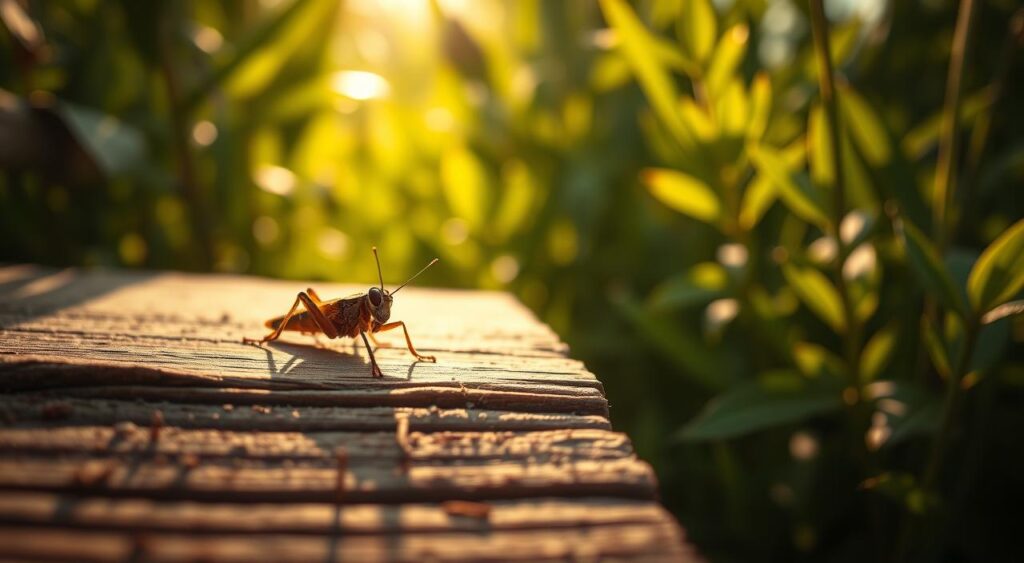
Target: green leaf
{"type": "Point", "coordinates": [817, 293]}
{"type": "Point", "coordinates": [695, 360]}
{"type": "Point", "coordinates": [794, 188]}
{"type": "Point", "coordinates": [910, 409]}
{"type": "Point", "coordinates": [697, 28]}
{"type": "Point", "coordinates": [936, 347]}
{"type": "Point", "coordinates": [991, 344]}
{"type": "Point", "coordinates": [864, 125]}
{"type": "Point", "coordinates": [683, 193]}
{"type": "Point", "coordinates": [760, 106]}
{"type": "Point", "coordinates": [929, 269]}
{"type": "Point", "coordinates": [999, 273]}
{"type": "Point", "coordinates": [757, 199]}
{"type": "Point", "coordinates": [636, 45]}
{"type": "Point", "coordinates": [703, 283]}
{"type": "Point", "coordinates": [877, 353]}
{"type": "Point", "coordinates": [729, 53]}
{"type": "Point", "coordinates": [266, 32]}
{"type": "Point", "coordinates": [116, 147]}
{"type": "Point", "coordinates": [780, 398]}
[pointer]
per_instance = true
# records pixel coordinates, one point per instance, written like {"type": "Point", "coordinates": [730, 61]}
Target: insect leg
{"type": "Point", "coordinates": [408, 340]}
{"type": "Point", "coordinates": [277, 331]}
{"type": "Point", "coordinates": [314, 296]}
{"type": "Point", "coordinates": [376, 343]}
{"type": "Point", "coordinates": [326, 326]}
{"type": "Point", "coordinates": [318, 317]}
{"type": "Point", "coordinates": [374, 368]}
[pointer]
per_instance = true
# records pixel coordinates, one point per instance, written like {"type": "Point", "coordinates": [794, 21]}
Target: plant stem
{"type": "Point", "coordinates": [826, 82]}
{"type": "Point", "coordinates": [945, 169]}
{"type": "Point", "coordinates": [187, 179]}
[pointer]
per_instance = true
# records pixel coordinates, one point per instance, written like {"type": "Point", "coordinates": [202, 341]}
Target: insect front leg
{"type": "Point", "coordinates": [408, 341]}
{"type": "Point", "coordinates": [374, 368]}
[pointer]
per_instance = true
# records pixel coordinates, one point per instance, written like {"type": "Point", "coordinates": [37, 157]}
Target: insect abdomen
{"type": "Point", "coordinates": [301, 322]}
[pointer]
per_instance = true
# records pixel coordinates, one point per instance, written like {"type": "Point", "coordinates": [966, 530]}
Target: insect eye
{"type": "Point", "coordinates": [375, 296]}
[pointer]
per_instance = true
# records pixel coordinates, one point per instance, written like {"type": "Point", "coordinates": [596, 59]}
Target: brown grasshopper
{"type": "Point", "coordinates": [362, 314]}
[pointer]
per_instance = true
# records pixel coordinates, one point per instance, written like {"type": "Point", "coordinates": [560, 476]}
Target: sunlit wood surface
{"type": "Point", "coordinates": [135, 424]}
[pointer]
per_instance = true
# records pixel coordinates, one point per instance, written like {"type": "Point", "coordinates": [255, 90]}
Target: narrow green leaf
{"type": "Point", "coordinates": [864, 125]}
{"type": "Point", "coordinates": [116, 147]}
{"type": "Point", "coordinates": [683, 193]}
{"type": "Point", "coordinates": [760, 106]}
{"type": "Point", "coordinates": [925, 136]}
{"type": "Point", "coordinates": [991, 344]}
{"type": "Point", "coordinates": [817, 293]}
{"type": "Point", "coordinates": [929, 268]}
{"type": "Point", "coordinates": [697, 28]}
{"type": "Point", "coordinates": [877, 353]}
{"type": "Point", "coordinates": [936, 347]}
{"type": "Point", "coordinates": [999, 274]}
{"type": "Point", "coordinates": [794, 188]}
{"type": "Point", "coordinates": [758, 197]}
{"type": "Point", "coordinates": [263, 34]}
{"type": "Point", "coordinates": [655, 80]}
{"type": "Point", "coordinates": [781, 399]}
{"type": "Point", "coordinates": [729, 53]}
{"type": "Point", "coordinates": [700, 285]}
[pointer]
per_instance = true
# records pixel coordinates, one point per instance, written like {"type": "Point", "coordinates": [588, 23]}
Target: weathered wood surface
{"type": "Point", "coordinates": [134, 424]}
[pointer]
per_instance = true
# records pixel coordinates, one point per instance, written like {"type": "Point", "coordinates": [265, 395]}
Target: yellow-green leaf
{"type": "Point", "coordinates": [794, 188]}
{"type": "Point", "coordinates": [728, 55]}
{"type": "Point", "coordinates": [877, 353]}
{"type": "Point", "coordinates": [865, 127]}
{"type": "Point", "coordinates": [998, 274]}
{"type": "Point", "coordinates": [817, 293]}
{"type": "Point", "coordinates": [760, 106]}
{"type": "Point", "coordinates": [697, 28]}
{"type": "Point", "coordinates": [683, 193]}
{"type": "Point", "coordinates": [636, 45]}
{"type": "Point", "coordinates": [758, 197]}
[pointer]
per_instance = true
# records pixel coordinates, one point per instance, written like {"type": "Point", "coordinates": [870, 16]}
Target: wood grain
{"type": "Point", "coordinates": [135, 425]}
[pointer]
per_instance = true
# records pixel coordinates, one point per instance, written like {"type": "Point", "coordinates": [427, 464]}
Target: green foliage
{"type": "Point", "coordinates": [655, 179]}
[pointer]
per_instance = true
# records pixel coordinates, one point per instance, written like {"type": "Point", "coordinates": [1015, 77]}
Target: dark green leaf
{"type": "Point", "coordinates": [781, 398]}
{"type": "Point", "coordinates": [929, 268]}
{"type": "Point", "coordinates": [999, 274]}
{"type": "Point", "coordinates": [701, 284]}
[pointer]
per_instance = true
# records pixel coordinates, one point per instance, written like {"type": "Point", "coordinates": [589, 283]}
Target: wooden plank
{"type": "Point", "coordinates": [365, 480]}
{"type": "Point", "coordinates": [637, 542]}
{"type": "Point", "coordinates": [128, 438]}
{"type": "Point", "coordinates": [42, 509]}
{"type": "Point", "coordinates": [229, 307]}
{"type": "Point", "coordinates": [52, 408]}
{"type": "Point", "coordinates": [136, 425]}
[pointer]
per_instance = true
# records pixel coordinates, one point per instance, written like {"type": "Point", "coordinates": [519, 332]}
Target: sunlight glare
{"type": "Point", "coordinates": [360, 84]}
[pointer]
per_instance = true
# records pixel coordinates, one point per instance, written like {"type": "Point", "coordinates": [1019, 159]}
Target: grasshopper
{"type": "Point", "coordinates": [363, 314]}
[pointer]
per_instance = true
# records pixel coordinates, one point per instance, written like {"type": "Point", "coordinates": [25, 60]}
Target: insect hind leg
{"type": "Point", "coordinates": [321, 321]}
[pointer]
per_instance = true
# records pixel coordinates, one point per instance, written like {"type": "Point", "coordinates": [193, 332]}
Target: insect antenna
{"type": "Point", "coordinates": [432, 262]}
{"type": "Point", "coordinates": [379, 274]}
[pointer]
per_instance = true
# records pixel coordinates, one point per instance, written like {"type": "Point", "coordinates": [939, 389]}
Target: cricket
{"type": "Point", "coordinates": [362, 314]}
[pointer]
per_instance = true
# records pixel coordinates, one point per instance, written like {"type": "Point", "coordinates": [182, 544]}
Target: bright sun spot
{"type": "Point", "coordinates": [360, 85]}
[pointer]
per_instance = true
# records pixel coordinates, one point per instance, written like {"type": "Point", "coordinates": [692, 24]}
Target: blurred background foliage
{"type": "Point", "coordinates": [818, 365]}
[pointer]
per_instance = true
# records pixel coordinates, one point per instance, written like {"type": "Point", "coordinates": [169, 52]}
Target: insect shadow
{"type": "Point", "coordinates": [319, 362]}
